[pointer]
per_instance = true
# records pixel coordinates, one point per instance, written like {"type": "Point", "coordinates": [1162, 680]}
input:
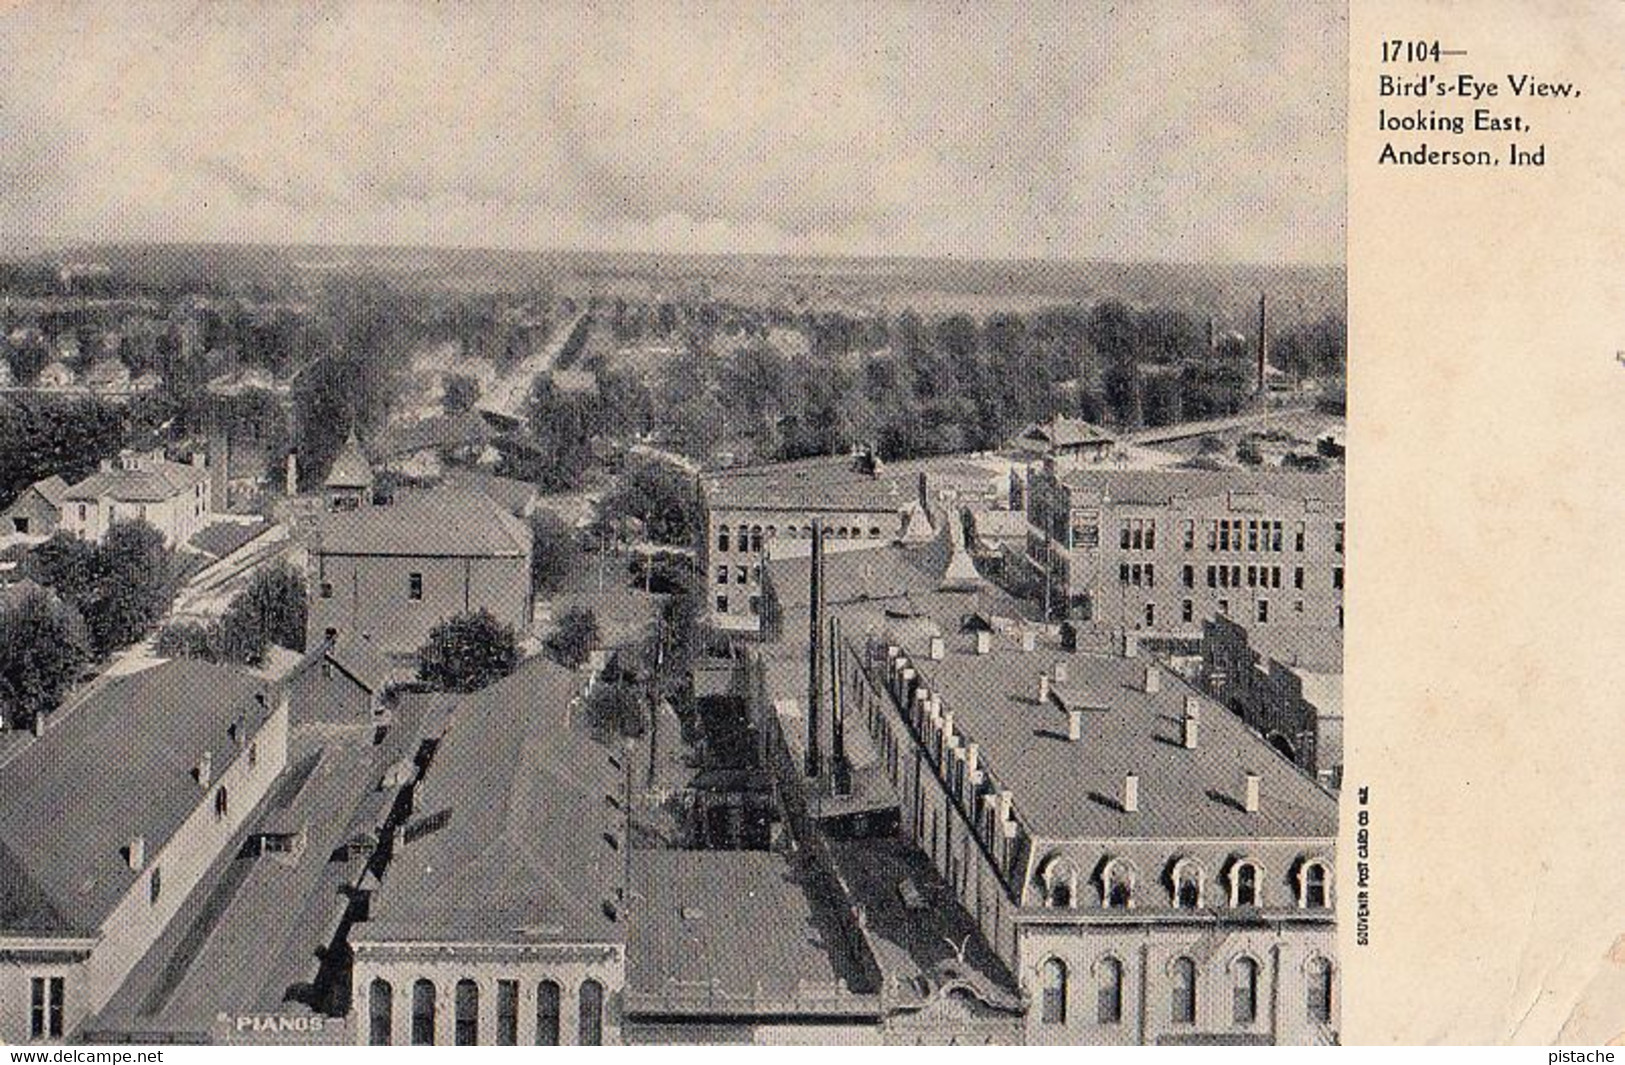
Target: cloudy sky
{"type": "Point", "coordinates": [1181, 129]}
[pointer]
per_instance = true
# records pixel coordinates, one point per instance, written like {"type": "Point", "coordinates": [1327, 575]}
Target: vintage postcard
{"type": "Point", "coordinates": [728, 523]}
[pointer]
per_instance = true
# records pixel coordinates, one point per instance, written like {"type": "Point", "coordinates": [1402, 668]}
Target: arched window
{"type": "Point", "coordinates": [423, 1014]}
{"type": "Point", "coordinates": [1060, 882]}
{"type": "Point", "coordinates": [1314, 885]}
{"type": "Point", "coordinates": [722, 538]}
{"type": "Point", "coordinates": [791, 531]}
{"type": "Point", "coordinates": [874, 532]}
{"type": "Point", "coordinates": [220, 803]}
{"type": "Point", "coordinates": [467, 1032]}
{"type": "Point", "coordinates": [592, 1013]}
{"type": "Point", "coordinates": [743, 537]}
{"type": "Point", "coordinates": [1319, 971]}
{"type": "Point", "coordinates": [1245, 971]}
{"type": "Point", "coordinates": [1052, 978]}
{"type": "Point", "coordinates": [380, 1013]}
{"type": "Point", "coordinates": [756, 538]}
{"type": "Point", "coordinates": [1183, 988]}
{"type": "Point", "coordinates": [1187, 883]}
{"type": "Point", "coordinates": [1117, 885]}
{"type": "Point", "coordinates": [1109, 1000]}
{"type": "Point", "coordinates": [547, 1014]}
{"type": "Point", "coordinates": [1244, 883]}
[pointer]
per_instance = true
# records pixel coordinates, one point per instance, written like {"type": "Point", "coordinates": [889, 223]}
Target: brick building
{"type": "Point", "coordinates": [499, 919]}
{"type": "Point", "coordinates": [111, 817]}
{"type": "Point", "coordinates": [1164, 550]}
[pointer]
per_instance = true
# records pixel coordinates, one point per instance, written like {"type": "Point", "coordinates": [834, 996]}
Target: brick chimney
{"type": "Point", "coordinates": [1074, 725]}
{"type": "Point", "coordinates": [1250, 789]}
{"type": "Point", "coordinates": [1059, 672]}
{"type": "Point", "coordinates": [939, 649]}
{"type": "Point", "coordinates": [205, 769]}
{"type": "Point", "coordinates": [1153, 678]}
{"type": "Point", "coordinates": [1131, 793]}
{"type": "Point", "coordinates": [1043, 689]}
{"type": "Point", "coordinates": [984, 641]}
{"type": "Point", "coordinates": [138, 852]}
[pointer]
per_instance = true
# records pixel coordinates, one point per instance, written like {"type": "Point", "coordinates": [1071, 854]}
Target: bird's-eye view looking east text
{"type": "Point", "coordinates": [678, 524]}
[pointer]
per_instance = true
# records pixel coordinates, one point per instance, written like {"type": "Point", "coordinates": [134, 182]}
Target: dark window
{"type": "Point", "coordinates": [380, 1014]}
{"type": "Point", "coordinates": [155, 885]}
{"type": "Point", "coordinates": [1188, 891]}
{"type": "Point", "coordinates": [507, 1013]}
{"type": "Point", "coordinates": [756, 538]}
{"type": "Point", "coordinates": [1338, 546]}
{"type": "Point", "coordinates": [1263, 610]}
{"type": "Point", "coordinates": [592, 1013]}
{"type": "Point", "coordinates": [414, 586]}
{"type": "Point", "coordinates": [1188, 574]}
{"type": "Point", "coordinates": [45, 1014]}
{"type": "Point", "coordinates": [1320, 990]}
{"type": "Point", "coordinates": [1183, 1000]}
{"type": "Point", "coordinates": [1054, 991]}
{"type": "Point", "coordinates": [1187, 610]}
{"type": "Point", "coordinates": [221, 803]}
{"type": "Point", "coordinates": [1150, 614]}
{"type": "Point", "coordinates": [722, 574]}
{"type": "Point", "coordinates": [467, 1006]}
{"type": "Point", "coordinates": [722, 604]}
{"type": "Point", "coordinates": [1109, 1005]}
{"type": "Point", "coordinates": [1245, 1009]}
{"type": "Point", "coordinates": [423, 1014]}
{"type": "Point", "coordinates": [1314, 886]}
{"type": "Point", "coordinates": [722, 538]}
{"type": "Point", "coordinates": [1337, 577]}
{"type": "Point", "coordinates": [1246, 884]}
{"type": "Point", "coordinates": [547, 1014]}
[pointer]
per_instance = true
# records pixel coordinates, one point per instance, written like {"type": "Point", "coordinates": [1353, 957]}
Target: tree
{"type": "Point", "coordinates": [135, 587]}
{"type": "Point", "coordinates": [657, 493]}
{"type": "Point", "coordinates": [467, 652]}
{"type": "Point", "coordinates": [43, 646]}
{"type": "Point", "coordinates": [271, 609]}
{"type": "Point", "coordinates": [615, 711]}
{"type": "Point", "coordinates": [462, 392]}
{"type": "Point", "coordinates": [576, 638]}
{"type": "Point", "coordinates": [554, 553]}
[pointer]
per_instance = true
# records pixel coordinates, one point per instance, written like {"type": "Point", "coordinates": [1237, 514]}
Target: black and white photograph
{"type": "Point", "coordinates": [672, 523]}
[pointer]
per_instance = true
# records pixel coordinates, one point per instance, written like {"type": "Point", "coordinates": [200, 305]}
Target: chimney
{"type": "Point", "coordinates": [1250, 799]}
{"type": "Point", "coordinates": [106, 465]}
{"type": "Point", "coordinates": [939, 648]}
{"type": "Point", "coordinates": [840, 770]}
{"type": "Point", "coordinates": [198, 460]}
{"type": "Point", "coordinates": [1006, 805]}
{"type": "Point", "coordinates": [1263, 340]}
{"type": "Point", "coordinates": [1153, 678]}
{"type": "Point", "coordinates": [973, 760]}
{"type": "Point", "coordinates": [1074, 725]}
{"type": "Point", "coordinates": [1131, 645]}
{"type": "Point", "coordinates": [1043, 689]}
{"type": "Point", "coordinates": [1131, 793]}
{"type": "Point", "coordinates": [1029, 641]}
{"type": "Point", "coordinates": [138, 852]}
{"type": "Point", "coordinates": [815, 649]}
{"type": "Point", "coordinates": [291, 483]}
{"type": "Point", "coordinates": [1193, 725]}
{"type": "Point", "coordinates": [39, 724]}
{"type": "Point", "coordinates": [205, 769]}
{"type": "Point", "coordinates": [1059, 672]}
{"type": "Point", "coordinates": [984, 641]}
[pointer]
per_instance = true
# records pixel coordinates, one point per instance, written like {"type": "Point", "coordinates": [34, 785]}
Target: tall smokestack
{"type": "Point", "coordinates": [1263, 340]}
{"type": "Point", "coordinates": [815, 648]}
{"type": "Point", "coordinates": [840, 770]}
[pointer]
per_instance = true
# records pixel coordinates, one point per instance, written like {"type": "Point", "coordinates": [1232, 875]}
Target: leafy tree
{"type": "Point", "coordinates": [657, 493]}
{"type": "Point", "coordinates": [615, 710]}
{"type": "Point", "coordinates": [467, 652]}
{"type": "Point", "coordinates": [134, 588]}
{"type": "Point", "coordinates": [462, 392]}
{"type": "Point", "coordinates": [271, 609]}
{"type": "Point", "coordinates": [554, 553]}
{"type": "Point", "coordinates": [43, 646]}
{"type": "Point", "coordinates": [576, 638]}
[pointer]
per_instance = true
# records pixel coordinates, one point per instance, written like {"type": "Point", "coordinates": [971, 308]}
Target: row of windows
{"type": "Point", "coordinates": [749, 538]}
{"type": "Point", "coordinates": [1224, 534]}
{"type": "Point", "coordinates": [1243, 970]}
{"type": "Point", "coordinates": [755, 605]}
{"type": "Point", "coordinates": [466, 1013]}
{"type": "Point", "coordinates": [1187, 881]}
{"type": "Point", "coordinates": [1261, 610]}
{"type": "Point", "coordinates": [742, 574]}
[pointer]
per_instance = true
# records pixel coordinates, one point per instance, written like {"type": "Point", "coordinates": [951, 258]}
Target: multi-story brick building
{"type": "Point", "coordinates": [386, 574]}
{"type": "Point", "coordinates": [754, 511]}
{"type": "Point", "coordinates": [499, 919]}
{"type": "Point", "coordinates": [1164, 550]}
{"type": "Point", "coordinates": [110, 819]}
{"type": "Point", "coordinates": [1150, 869]}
